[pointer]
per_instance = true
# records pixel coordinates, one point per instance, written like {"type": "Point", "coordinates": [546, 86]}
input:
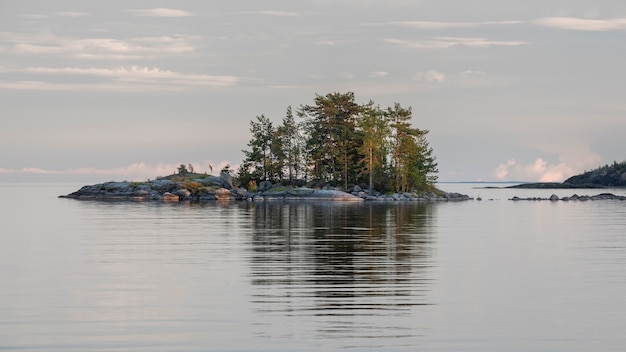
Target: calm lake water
{"type": "Point", "coordinates": [490, 275]}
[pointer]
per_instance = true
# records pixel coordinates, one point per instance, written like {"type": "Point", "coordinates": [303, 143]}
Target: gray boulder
{"type": "Point", "coordinates": [116, 187]}
{"type": "Point", "coordinates": [264, 186]}
{"type": "Point", "coordinates": [300, 192]}
{"type": "Point", "coordinates": [206, 197]}
{"type": "Point", "coordinates": [154, 195]}
{"type": "Point", "coordinates": [163, 185]}
{"type": "Point", "coordinates": [211, 181]}
{"type": "Point", "coordinates": [183, 194]}
{"type": "Point", "coordinates": [227, 180]}
{"type": "Point", "coordinates": [224, 180]}
{"type": "Point", "coordinates": [88, 190]}
{"type": "Point", "coordinates": [334, 195]}
{"type": "Point", "coordinates": [142, 190]}
{"type": "Point", "coordinates": [454, 196]}
{"type": "Point", "coordinates": [240, 193]}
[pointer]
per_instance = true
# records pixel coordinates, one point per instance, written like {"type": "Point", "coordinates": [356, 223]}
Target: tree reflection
{"type": "Point", "coordinates": [338, 259]}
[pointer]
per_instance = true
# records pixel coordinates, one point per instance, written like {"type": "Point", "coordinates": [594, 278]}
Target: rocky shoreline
{"type": "Point", "coordinates": [556, 185]}
{"type": "Point", "coordinates": [222, 188]}
{"type": "Point", "coordinates": [575, 197]}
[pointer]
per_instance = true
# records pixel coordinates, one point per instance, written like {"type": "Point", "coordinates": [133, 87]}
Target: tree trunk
{"type": "Point", "coordinates": [345, 169]}
{"type": "Point", "coordinates": [371, 167]}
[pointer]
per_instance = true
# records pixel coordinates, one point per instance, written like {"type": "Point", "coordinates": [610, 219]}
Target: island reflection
{"type": "Point", "coordinates": [331, 259]}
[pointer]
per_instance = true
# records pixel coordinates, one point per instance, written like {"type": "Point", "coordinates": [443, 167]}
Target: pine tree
{"type": "Point", "coordinates": [341, 142]}
{"type": "Point", "coordinates": [258, 160]}
{"type": "Point", "coordinates": [376, 132]}
{"type": "Point", "coordinates": [331, 129]}
{"type": "Point", "coordinates": [291, 142]}
{"type": "Point", "coordinates": [414, 167]}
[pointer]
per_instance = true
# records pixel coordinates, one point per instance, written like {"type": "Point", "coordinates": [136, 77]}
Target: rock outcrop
{"type": "Point", "coordinates": [603, 177]}
{"type": "Point", "coordinates": [213, 188]}
{"type": "Point", "coordinates": [555, 185]}
{"type": "Point", "coordinates": [608, 176]}
{"type": "Point", "coordinates": [575, 197]}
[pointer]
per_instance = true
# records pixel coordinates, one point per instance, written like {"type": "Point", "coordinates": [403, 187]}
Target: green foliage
{"type": "Point", "coordinates": [262, 160]}
{"type": "Point", "coordinates": [226, 170]}
{"type": "Point", "coordinates": [182, 169]}
{"type": "Point", "coordinates": [290, 146]}
{"type": "Point", "coordinates": [245, 175]}
{"type": "Point", "coordinates": [333, 139]}
{"type": "Point", "coordinates": [414, 166]}
{"type": "Point", "coordinates": [607, 175]}
{"type": "Point", "coordinates": [375, 145]}
{"type": "Point", "coordinates": [617, 166]}
{"type": "Point", "coordinates": [340, 142]}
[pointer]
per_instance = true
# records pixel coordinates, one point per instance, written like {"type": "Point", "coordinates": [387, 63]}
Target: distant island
{"type": "Point", "coordinates": [607, 176]}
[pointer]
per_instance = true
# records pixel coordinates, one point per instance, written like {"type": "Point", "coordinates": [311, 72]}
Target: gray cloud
{"type": "Point", "coordinates": [448, 42]}
{"type": "Point", "coordinates": [72, 14]}
{"type": "Point", "coordinates": [279, 13]}
{"type": "Point", "coordinates": [582, 24]}
{"type": "Point", "coordinates": [499, 79]}
{"type": "Point", "coordinates": [446, 25]}
{"type": "Point", "coordinates": [160, 12]}
{"type": "Point", "coordinates": [128, 79]}
{"type": "Point", "coordinates": [95, 48]}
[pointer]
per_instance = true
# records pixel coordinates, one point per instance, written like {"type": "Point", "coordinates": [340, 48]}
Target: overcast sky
{"type": "Point", "coordinates": [531, 90]}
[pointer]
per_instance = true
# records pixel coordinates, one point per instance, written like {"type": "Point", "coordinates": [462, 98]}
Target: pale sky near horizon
{"type": "Point", "coordinates": [529, 90]}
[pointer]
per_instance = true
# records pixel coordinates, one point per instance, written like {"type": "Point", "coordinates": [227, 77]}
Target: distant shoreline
{"type": "Point", "coordinates": [555, 185]}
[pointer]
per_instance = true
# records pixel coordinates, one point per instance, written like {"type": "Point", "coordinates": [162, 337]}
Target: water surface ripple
{"type": "Point", "coordinates": [303, 276]}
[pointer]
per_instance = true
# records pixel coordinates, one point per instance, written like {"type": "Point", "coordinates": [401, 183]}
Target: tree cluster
{"type": "Point", "coordinates": [612, 175]}
{"type": "Point", "coordinates": [339, 142]}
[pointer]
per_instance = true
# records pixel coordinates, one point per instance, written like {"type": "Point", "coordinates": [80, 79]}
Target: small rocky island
{"type": "Point", "coordinates": [575, 197]}
{"type": "Point", "coordinates": [194, 187]}
{"type": "Point", "coordinates": [341, 150]}
{"type": "Point", "coordinates": [610, 175]}
{"type": "Point", "coordinates": [607, 176]}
